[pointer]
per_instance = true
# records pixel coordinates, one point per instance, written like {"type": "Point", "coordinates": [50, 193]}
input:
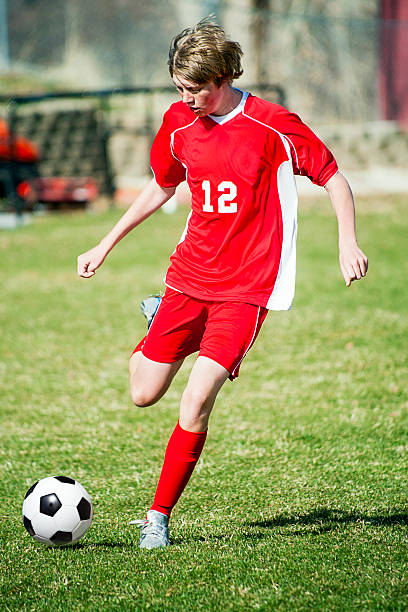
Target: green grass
{"type": "Point", "coordinates": [299, 501]}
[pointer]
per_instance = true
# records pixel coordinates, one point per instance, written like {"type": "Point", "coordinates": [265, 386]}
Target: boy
{"type": "Point", "coordinates": [236, 258]}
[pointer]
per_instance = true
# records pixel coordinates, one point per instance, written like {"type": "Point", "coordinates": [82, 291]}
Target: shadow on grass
{"type": "Point", "coordinates": [323, 520]}
{"type": "Point", "coordinates": [319, 521]}
{"type": "Point", "coordinates": [95, 545]}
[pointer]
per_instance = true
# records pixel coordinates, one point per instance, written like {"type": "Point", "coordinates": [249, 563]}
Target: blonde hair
{"type": "Point", "coordinates": [202, 54]}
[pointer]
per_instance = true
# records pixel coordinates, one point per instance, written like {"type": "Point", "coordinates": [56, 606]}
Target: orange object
{"type": "Point", "coordinates": [24, 190]}
{"type": "Point", "coordinates": [56, 189]}
{"type": "Point", "coordinates": [21, 149]}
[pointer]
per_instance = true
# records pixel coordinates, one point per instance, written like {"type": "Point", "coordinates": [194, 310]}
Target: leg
{"type": "Point", "coordinates": [173, 334]}
{"type": "Point", "coordinates": [206, 379]}
{"type": "Point", "coordinates": [230, 331]}
{"type": "Point", "coordinates": [188, 438]}
{"type": "Point", "coordinates": [149, 380]}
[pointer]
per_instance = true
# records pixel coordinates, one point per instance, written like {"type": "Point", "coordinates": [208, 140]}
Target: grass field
{"type": "Point", "coordinates": [299, 501]}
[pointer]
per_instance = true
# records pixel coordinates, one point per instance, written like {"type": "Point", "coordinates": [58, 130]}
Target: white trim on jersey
{"type": "Point", "coordinates": [172, 140]}
{"type": "Point", "coordinates": [283, 292]}
{"type": "Point", "coordinates": [173, 288]}
{"type": "Point", "coordinates": [249, 345]}
{"type": "Point", "coordinates": [221, 119]}
{"type": "Point", "coordinates": [338, 172]}
{"type": "Point", "coordinates": [277, 132]}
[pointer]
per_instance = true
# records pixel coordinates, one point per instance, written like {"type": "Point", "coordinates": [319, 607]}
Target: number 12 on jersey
{"type": "Point", "coordinates": [225, 203]}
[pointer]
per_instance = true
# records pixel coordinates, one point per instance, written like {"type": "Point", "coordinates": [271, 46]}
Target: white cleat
{"type": "Point", "coordinates": [149, 307]}
{"type": "Point", "coordinates": [154, 531]}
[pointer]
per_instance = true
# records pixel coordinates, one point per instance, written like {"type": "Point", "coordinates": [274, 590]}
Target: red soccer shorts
{"type": "Point", "coordinates": [222, 331]}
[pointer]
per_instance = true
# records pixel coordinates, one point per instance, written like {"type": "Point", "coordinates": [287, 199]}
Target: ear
{"type": "Point", "coordinates": [220, 80]}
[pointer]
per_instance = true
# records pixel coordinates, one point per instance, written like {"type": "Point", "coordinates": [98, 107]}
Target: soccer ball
{"type": "Point", "coordinates": [57, 510]}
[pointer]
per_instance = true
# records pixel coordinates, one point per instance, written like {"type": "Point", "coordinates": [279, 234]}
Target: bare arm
{"type": "Point", "coordinates": [353, 262]}
{"type": "Point", "coordinates": [152, 197]}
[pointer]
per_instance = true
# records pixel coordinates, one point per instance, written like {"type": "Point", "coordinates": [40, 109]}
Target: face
{"type": "Point", "coordinates": [204, 99]}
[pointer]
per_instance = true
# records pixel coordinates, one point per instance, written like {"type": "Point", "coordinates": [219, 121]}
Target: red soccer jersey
{"type": "Point", "coordinates": [239, 243]}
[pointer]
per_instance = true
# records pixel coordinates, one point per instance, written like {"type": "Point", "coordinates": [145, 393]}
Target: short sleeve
{"type": "Point", "coordinates": [310, 156]}
{"type": "Point", "coordinates": [168, 171]}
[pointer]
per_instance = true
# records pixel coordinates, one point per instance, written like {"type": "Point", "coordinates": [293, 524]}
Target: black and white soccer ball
{"type": "Point", "coordinates": [57, 510]}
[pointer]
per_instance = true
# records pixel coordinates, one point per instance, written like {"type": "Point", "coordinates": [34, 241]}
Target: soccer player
{"type": "Point", "coordinates": [236, 258]}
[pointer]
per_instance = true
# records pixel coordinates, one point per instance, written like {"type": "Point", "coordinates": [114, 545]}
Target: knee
{"type": "Point", "coordinates": [141, 397]}
{"type": "Point", "coordinates": [194, 400]}
{"type": "Point", "coordinates": [194, 410]}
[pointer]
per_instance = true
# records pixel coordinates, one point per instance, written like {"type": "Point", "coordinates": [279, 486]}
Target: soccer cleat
{"type": "Point", "coordinates": [154, 531]}
{"type": "Point", "coordinates": [149, 307]}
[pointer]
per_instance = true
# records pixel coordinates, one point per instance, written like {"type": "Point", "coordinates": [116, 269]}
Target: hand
{"type": "Point", "coordinates": [90, 261]}
{"type": "Point", "coordinates": [353, 262]}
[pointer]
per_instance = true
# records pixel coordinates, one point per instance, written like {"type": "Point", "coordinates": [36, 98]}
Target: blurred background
{"type": "Point", "coordinates": [83, 87]}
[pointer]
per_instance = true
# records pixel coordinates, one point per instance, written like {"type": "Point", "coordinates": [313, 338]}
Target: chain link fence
{"type": "Point", "coordinates": [340, 65]}
{"type": "Point", "coordinates": [328, 56]}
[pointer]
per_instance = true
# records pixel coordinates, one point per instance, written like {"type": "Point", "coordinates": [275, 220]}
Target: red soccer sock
{"type": "Point", "coordinates": [182, 453]}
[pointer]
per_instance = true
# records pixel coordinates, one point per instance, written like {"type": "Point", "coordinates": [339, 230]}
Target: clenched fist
{"type": "Point", "coordinates": [90, 261]}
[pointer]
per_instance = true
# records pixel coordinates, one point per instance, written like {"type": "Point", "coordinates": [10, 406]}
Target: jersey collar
{"type": "Point", "coordinates": [221, 119]}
